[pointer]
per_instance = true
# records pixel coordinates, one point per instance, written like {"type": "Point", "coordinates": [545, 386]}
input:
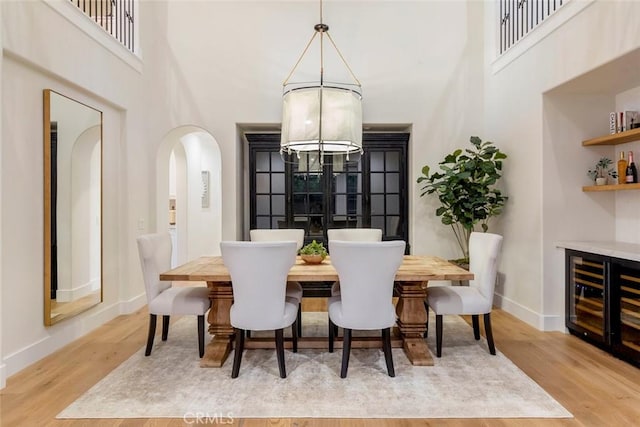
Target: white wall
{"type": "Point", "coordinates": [250, 47]}
{"type": "Point", "coordinates": [35, 58]}
{"type": "Point", "coordinates": [202, 223]}
{"type": "Point", "coordinates": [541, 127]}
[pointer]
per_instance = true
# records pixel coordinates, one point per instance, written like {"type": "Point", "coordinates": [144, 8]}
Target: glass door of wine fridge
{"type": "Point", "coordinates": [626, 310]}
{"type": "Point", "coordinates": [587, 296]}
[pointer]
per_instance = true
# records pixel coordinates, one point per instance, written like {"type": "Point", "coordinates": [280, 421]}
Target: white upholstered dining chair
{"type": "Point", "coordinates": [258, 273]}
{"type": "Point", "coordinates": [355, 234]}
{"type": "Point", "coordinates": [294, 289]}
{"type": "Point", "coordinates": [352, 235]}
{"type": "Point", "coordinates": [367, 271]}
{"type": "Point", "coordinates": [475, 299]}
{"type": "Point", "coordinates": [163, 299]}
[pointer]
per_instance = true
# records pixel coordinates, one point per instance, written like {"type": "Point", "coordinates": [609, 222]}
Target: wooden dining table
{"type": "Point", "coordinates": [410, 288]}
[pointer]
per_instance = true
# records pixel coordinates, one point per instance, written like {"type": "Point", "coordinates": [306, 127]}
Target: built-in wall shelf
{"type": "Point", "coordinates": [614, 138]}
{"type": "Point", "coordinates": [612, 187]}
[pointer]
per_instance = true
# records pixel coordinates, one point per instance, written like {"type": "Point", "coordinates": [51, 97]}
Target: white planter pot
{"type": "Point", "coordinates": [601, 181]}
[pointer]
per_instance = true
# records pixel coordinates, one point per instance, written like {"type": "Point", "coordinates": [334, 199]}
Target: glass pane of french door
{"type": "Point", "coordinates": [307, 192]}
{"type": "Point", "coordinates": [346, 210]}
{"type": "Point", "coordinates": [385, 191]}
{"type": "Point", "coordinates": [270, 190]}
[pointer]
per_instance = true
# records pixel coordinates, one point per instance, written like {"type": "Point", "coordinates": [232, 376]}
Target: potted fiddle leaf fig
{"type": "Point", "coordinates": [465, 186]}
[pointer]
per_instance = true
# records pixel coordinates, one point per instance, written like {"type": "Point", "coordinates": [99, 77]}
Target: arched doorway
{"type": "Point", "coordinates": [189, 175]}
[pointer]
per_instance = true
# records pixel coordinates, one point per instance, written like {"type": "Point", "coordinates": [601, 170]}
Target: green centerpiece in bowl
{"type": "Point", "coordinates": [313, 253]}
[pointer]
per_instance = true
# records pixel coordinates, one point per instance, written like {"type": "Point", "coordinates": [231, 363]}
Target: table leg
{"type": "Point", "coordinates": [218, 349]}
{"type": "Point", "coordinates": [412, 321]}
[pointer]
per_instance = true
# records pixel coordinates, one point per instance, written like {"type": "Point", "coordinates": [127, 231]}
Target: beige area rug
{"type": "Point", "coordinates": [466, 382]}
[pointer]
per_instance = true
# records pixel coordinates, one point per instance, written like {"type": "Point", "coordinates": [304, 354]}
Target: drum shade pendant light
{"type": "Point", "coordinates": [321, 118]}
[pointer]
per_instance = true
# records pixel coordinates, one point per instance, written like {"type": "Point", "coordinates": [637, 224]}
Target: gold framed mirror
{"type": "Point", "coordinates": [72, 207]}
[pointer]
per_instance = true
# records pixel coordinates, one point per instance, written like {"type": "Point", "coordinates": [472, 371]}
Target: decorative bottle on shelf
{"type": "Point", "coordinates": [631, 174]}
{"type": "Point", "coordinates": [622, 169]}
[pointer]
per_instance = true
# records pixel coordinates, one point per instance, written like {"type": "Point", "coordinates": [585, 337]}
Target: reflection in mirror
{"type": "Point", "coordinates": [72, 207]}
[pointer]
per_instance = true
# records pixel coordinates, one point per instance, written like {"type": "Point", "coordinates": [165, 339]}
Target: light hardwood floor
{"type": "Point", "coordinates": [596, 388]}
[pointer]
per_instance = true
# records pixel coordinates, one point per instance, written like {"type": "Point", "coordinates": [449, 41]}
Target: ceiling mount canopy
{"type": "Point", "coordinates": [321, 118]}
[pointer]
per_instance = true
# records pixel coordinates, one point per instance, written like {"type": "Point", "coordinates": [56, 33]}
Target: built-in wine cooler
{"type": "Point", "coordinates": [603, 302]}
{"type": "Point", "coordinates": [626, 336]}
{"type": "Point", "coordinates": [586, 300]}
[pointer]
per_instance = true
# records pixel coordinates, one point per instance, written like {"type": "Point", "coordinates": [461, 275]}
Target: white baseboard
{"type": "Point", "coordinates": [553, 323]}
{"type": "Point", "coordinates": [135, 303]}
{"type": "Point", "coordinates": [66, 332]}
{"type": "Point", "coordinates": [539, 321]}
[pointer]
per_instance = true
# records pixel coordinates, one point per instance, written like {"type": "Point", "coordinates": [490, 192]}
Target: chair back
{"type": "Point", "coordinates": [258, 277]}
{"type": "Point", "coordinates": [155, 258]}
{"type": "Point", "coordinates": [355, 234]}
{"type": "Point", "coordinates": [278, 235]}
{"type": "Point", "coordinates": [484, 251]}
{"type": "Point", "coordinates": [367, 271]}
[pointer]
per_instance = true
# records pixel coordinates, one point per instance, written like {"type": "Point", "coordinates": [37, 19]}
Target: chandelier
{"type": "Point", "coordinates": [321, 118]}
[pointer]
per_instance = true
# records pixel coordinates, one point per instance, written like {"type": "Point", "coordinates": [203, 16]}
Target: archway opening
{"type": "Point", "coordinates": [188, 193]}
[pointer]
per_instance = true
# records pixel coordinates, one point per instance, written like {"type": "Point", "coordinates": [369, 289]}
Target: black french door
{"type": "Point", "coordinates": [371, 193]}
